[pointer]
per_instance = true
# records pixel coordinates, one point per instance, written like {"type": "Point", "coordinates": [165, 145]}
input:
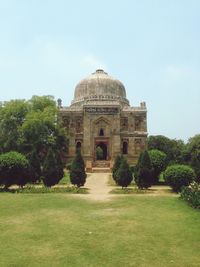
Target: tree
{"type": "Point", "coordinates": [171, 147]}
{"type": "Point", "coordinates": [124, 175]}
{"type": "Point", "coordinates": [31, 125]}
{"type": "Point", "coordinates": [52, 169]}
{"type": "Point", "coordinates": [14, 169]}
{"type": "Point", "coordinates": [192, 154]}
{"type": "Point", "coordinates": [116, 166]}
{"type": "Point", "coordinates": [144, 171]}
{"type": "Point", "coordinates": [178, 176]}
{"type": "Point", "coordinates": [35, 166]}
{"type": "Point", "coordinates": [159, 163]}
{"type": "Point", "coordinates": [12, 117]}
{"type": "Point", "coordinates": [77, 171]}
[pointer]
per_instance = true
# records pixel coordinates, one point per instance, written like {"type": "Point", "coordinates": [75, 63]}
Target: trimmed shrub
{"type": "Point", "coordinates": [124, 175]}
{"type": "Point", "coordinates": [144, 171]}
{"type": "Point", "coordinates": [191, 194]}
{"type": "Point", "coordinates": [52, 169]}
{"type": "Point", "coordinates": [116, 166]}
{"type": "Point", "coordinates": [77, 172]}
{"type": "Point", "coordinates": [35, 167]}
{"type": "Point", "coordinates": [177, 176]}
{"type": "Point", "coordinates": [159, 162]}
{"type": "Point", "coordinates": [14, 169]}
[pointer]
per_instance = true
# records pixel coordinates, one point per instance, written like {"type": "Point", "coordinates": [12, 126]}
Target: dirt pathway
{"type": "Point", "coordinates": [99, 189]}
{"type": "Point", "coordinates": [97, 183]}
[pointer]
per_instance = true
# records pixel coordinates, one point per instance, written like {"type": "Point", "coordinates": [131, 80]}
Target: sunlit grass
{"type": "Point", "coordinates": [61, 230]}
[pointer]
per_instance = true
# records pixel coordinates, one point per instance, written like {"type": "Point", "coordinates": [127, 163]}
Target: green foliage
{"type": "Point", "coordinates": [52, 169]}
{"type": "Point", "coordinates": [192, 154]}
{"type": "Point", "coordinates": [42, 103]}
{"type": "Point", "coordinates": [35, 166]}
{"type": "Point", "coordinates": [31, 125]}
{"type": "Point", "coordinates": [12, 116]}
{"type": "Point", "coordinates": [77, 171]}
{"type": "Point", "coordinates": [116, 166]}
{"type": "Point", "coordinates": [191, 194]}
{"type": "Point", "coordinates": [144, 171]}
{"type": "Point", "coordinates": [177, 176]}
{"type": "Point", "coordinates": [124, 175]}
{"type": "Point", "coordinates": [14, 169]}
{"type": "Point", "coordinates": [68, 166]}
{"type": "Point", "coordinates": [171, 147]}
{"type": "Point", "coordinates": [158, 161]}
{"type": "Point", "coordinates": [132, 168]}
{"type": "Point", "coordinates": [99, 153]}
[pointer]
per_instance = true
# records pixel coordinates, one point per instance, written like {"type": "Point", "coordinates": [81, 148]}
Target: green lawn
{"type": "Point", "coordinates": [61, 230]}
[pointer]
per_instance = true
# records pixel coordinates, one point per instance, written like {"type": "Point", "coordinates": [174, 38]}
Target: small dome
{"type": "Point", "coordinates": [99, 86]}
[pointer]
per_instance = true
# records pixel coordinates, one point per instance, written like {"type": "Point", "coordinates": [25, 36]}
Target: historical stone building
{"type": "Point", "coordinates": [102, 124]}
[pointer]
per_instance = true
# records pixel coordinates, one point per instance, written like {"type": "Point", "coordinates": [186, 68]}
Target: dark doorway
{"type": "Point", "coordinates": [125, 148]}
{"type": "Point", "coordinates": [78, 146]}
{"type": "Point", "coordinates": [101, 133]}
{"type": "Point", "coordinates": [101, 151]}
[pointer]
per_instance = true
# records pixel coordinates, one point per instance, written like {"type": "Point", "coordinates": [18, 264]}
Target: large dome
{"type": "Point", "coordinates": [99, 86]}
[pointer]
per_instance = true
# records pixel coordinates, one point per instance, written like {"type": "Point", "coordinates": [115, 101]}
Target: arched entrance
{"type": "Point", "coordinates": [78, 146]}
{"type": "Point", "coordinates": [101, 151]}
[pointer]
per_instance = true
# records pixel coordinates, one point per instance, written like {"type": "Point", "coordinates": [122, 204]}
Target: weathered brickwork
{"type": "Point", "coordinates": [100, 116]}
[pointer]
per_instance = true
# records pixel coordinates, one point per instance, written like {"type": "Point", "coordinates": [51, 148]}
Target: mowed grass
{"type": "Point", "coordinates": [64, 230]}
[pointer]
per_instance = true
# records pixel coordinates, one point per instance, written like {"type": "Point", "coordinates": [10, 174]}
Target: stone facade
{"type": "Point", "coordinates": [100, 117]}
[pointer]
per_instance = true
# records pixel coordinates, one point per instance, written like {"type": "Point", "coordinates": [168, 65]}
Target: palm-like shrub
{"type": "Point", "coordinates": [144, 171]}
{"type": "Point", "coordinates": [14, 169]}
{"type": "Point", "coordinates": [158, 161]}
{"type": "Point", "coordinates": [177, 176]}
{"type": "Point", "coordinates": [124, 175]}
{"type": "Point", "coordinates": [77, 171]}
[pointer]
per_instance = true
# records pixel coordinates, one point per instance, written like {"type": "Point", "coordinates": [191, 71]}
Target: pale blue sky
{"type": "Point", "coordinates": [152, 46]}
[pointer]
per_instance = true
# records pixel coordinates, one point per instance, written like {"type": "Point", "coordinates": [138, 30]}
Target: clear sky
{"type": "Point", "coordinates": [152, 46]}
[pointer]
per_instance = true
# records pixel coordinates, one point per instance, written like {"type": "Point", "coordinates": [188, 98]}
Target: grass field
{"type": "Point", "coordinates": [62, 230]}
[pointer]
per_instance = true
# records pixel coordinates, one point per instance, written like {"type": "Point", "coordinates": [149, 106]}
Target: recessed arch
{"type": "Point", "coordinates": [101, 151]}
{"type": "Point", "coordinates": [125, 148]}
{"type": "Point", "coordinates": [78, 146]}
{"type": "Point", "coordinates": [101, 132]}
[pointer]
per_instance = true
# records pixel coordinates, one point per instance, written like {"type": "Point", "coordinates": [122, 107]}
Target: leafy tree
{"type": "Point", "coordinates": [12, 116]}
{"type": "Point", "coordinates": [116, 166]}
{"type": "Point", "coordinates": [52, 169]}
{"type": "Point", "coordinates": [77, 171]}
{"type": "Point", "coordinates": [124, 175]}
{"type": "Point", "coordinates": [192, 154]}
{"type": "Point", "coordinates": [14, 169]}
{"type": "Point", "coordinates": [144, 171]}
{"type": "Point", "coordinates": [171, 147]}
{"type": "Point", "coordinates": [31, 125]}
{"type": "Point", "coordinates": [158, 161]}
{"type": "Point", "coordinates": [178, 176]}
{"type": "Point", "coordinates": [42, 103]}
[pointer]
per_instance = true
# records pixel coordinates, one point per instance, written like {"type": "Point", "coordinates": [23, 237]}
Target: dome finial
{"type": "Point", "coordinates": [100, 71]}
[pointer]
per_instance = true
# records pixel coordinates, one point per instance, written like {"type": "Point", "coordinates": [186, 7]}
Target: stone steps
{"type": "Point", "coordinates": [101, 164]}
{"type": "Point", "coordinates": [103, 170]}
